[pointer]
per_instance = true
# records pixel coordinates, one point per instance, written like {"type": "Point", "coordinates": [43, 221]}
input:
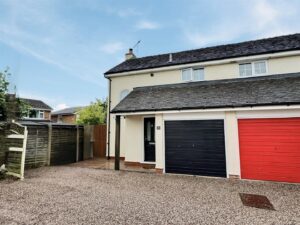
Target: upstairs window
{"type": "Point", "coordinates": [41, 114]}
{"type": "Point", "coordinates": [35, 114]}
{"type": "Point", "coordinates": [260, 67]}
{"type": "Point", "coordinates": [253, 69]}
{"type": "Point", "coordinates": [191, 74]}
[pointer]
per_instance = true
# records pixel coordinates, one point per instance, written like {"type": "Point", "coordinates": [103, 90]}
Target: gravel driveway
{"type": "Point", "coordinates": [68, 195]}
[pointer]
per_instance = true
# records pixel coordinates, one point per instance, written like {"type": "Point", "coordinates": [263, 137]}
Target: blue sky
{"type": "Point", "coordinates": [58, 50]}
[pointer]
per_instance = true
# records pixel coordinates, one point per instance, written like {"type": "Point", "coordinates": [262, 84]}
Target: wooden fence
{"type": "Point", "coordinates": [50, 144]}
{"type": "Point", "coordinates": [57, 144]}
{"type": "Point", "coordinates": [99, 139]}
{"type": "Point", "coordinates": [13, 138]}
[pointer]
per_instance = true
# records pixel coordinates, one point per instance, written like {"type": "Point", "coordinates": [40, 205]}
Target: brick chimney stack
{"type": "Point", "coordinates": [130, 55]}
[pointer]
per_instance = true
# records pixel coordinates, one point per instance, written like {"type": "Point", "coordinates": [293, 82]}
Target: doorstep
{"type": "Point", "coordinates": [140, 164]}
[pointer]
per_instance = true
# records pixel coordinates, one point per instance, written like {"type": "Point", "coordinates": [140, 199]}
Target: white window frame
{"type": "Point", "coordinates": [192, 74]}
{"type": "Point", "coordinates": [253, 68]}
{"type": "Point", "coordinates": [41, 113]}
{"type": "Point", "coordinates": [38, 113]}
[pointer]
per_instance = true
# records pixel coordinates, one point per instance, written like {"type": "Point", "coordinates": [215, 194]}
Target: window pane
{"type": "Point", "coordinates": [198, 74]}
{"type": "Point", "coordinates": [32, 114]}
{"type": "Point", "coordinates": [187, 74]}
{"type": "Point", "coordinates": [41, 114]}
{"type": "Point", "coordinates": [245, 70]}
{"type": "Point", "coordinates": [260, 67]}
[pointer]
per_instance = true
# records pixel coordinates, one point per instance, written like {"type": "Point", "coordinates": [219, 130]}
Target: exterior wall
{"type": "Point", "coordinates": [284, 65]}
{"type": "Point", "coordinates": [71, 119]}
{"type": "Point", "coordinates": [53, 118]}
{"type": "Point", "coordinates": [129, 82]}
{"type": "Point", "coordinates": [159, 142]}
{"type": "Point", "coordinates": [225, 71]}
{"type": "Point", "coordinates": [232, 145]}
{"type": "Point", "coordinates": [133, 141]}
{"type": "Point", "coordinates": [47, 115]}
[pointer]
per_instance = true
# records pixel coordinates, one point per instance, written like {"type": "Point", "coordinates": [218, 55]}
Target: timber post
{"type": "Point", "coordinates": [49, 144]}
{"type": "Point", "coordinates": [117, 146]}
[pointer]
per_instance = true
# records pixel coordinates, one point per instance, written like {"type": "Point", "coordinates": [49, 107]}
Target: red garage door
{"type": "Point", "coordinates": [270, 149]}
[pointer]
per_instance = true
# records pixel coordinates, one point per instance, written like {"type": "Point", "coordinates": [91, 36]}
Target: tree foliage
{"type": "Point", "coordinates": [11, 107]}
{"type": "Point", "coordinates": [93, 114]}
{"type": "Point", "coordinates": [3, 93]}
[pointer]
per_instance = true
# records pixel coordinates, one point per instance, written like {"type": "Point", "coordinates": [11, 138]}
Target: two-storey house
{"type": "Point", "coordinates": [38, 110]}
{"type": "Point", "coordinates": [227, 111]}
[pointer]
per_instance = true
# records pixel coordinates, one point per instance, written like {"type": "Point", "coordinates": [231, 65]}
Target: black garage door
{"type": "Point", "coordinates": [195, 147]}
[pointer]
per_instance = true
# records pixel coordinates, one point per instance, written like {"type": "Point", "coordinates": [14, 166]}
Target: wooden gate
{"type": "Point", "coordinates": [99, 145]}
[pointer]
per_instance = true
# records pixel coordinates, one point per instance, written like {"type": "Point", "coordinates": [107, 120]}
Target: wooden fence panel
{"type": "Point", "coordinates": [57, 144]}
{"type": "Point", "coordinates": [16, 139]}
{"type": "Point", "coordinates": [63, 146]}
{"type": "Point", "coordinates": [99, 141]}
{"type": "Point", "coordinates": [81, 144]}
{"type": "Point", "coordinates": [37, 146]}
{"type": "Point", "coordinates": [88, 141]}
{"type": "Point", "coordinates": [3, 146]}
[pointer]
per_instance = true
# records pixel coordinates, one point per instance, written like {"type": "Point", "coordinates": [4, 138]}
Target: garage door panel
{"type": "Point", "coordinates": [188, 170]}
{"type": "Point", "coordinates": [195, 147]}
{"type": "Point", "coordinates": [196, 157]}
{"type": "Point", "coordinates": [270, 149]}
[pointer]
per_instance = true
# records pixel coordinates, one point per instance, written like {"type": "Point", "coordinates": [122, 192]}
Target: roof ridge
{"type": "Point", "coordinates": [221, 45]}
{"type": "Point", "coordinates": [231, 50]}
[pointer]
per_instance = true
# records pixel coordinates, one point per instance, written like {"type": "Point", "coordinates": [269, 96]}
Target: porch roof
{"type": "Point", "coordinates": [283, 89]}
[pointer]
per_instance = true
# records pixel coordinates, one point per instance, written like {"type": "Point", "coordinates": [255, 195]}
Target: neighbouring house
{"type": "Point", "coordinates": [225, 111]}
{"type": "Point", "coordinates": [68, 115]}
{"type": "Point", "coordinates": [39, 110]}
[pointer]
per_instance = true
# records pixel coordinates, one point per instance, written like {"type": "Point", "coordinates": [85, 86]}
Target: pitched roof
{"type": "Point", "coordinates": [256, 47]}
{"type": "Point", "coordinates": [36, 104]}
{"type": "Point", "coordinates": [239, 92]}
{"type": "Point", "coordinates": [67, 111]}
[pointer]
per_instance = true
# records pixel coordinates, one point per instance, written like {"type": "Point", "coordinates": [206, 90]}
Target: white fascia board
{"type": "Point", "coordinates": [254, 108]}
{"type": "Point", "coordinates": [209, 63]}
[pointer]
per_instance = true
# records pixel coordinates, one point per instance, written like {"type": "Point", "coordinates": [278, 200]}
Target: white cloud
{"type": "Point", "coordinates": [51, 39]}
{"type": "Point", "coordinates": [147, 25]}
{"type": "Point", "coordinates": [60, 106]}
{"type": "Point", "coordinates": [264, 14]}
{"type": "Point", "coordinates": [106, 7]}
{"type": "Point", "coordinates": [203, 38]}
{"type": "Point", "coordinates": [127, 12]}
{"type": "Point", "coordinates": [112, 47]}
{"type": "Point", "coordinates": [265, 18]}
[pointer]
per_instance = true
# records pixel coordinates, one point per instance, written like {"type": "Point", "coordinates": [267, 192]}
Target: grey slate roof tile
{"type": "Point", "coordinates": [255, 91]}
{"type": "Point", "coordinates": [256, 47]}
{"type": "Point", "coordinates": [68, 111]}
{"type": "Point", "coordinates": [36, 104]}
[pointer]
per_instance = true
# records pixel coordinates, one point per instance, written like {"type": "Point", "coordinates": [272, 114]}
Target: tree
{"type": "Point", "coordinates": [11, 107]}
{"type": "Point", "coordinates": [93, 114]}
{"type": "Point", "coordinates": [3, 93]}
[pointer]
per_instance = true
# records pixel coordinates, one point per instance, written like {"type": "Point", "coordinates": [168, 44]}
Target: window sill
{"type": "Point", "coordinates": [255, 75]}
{"type": "Point", "coordinates": [184, 81]}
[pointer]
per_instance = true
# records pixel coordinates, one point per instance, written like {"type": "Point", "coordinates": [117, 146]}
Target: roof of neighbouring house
{"type": "Point", "coordinates": [248, 48]}
{"type": "Point", "coordinates": [240, 92]}
{"type": "Point", "coordinates": [67, 111]}
{"type": "Point", "coordinates": [36, 104]}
